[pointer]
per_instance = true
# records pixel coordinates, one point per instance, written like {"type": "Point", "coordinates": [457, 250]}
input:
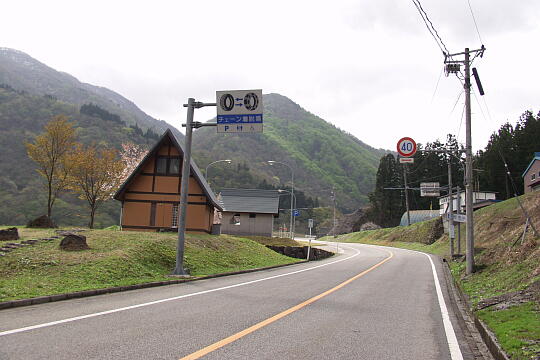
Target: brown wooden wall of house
{"type": "Point", "coordinates": [148, 201]}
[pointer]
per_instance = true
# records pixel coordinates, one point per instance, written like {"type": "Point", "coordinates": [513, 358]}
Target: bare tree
{"type": "Point", "coordinates": [50, 150]}
{"type": "Point", "coordinates": [95, 175]}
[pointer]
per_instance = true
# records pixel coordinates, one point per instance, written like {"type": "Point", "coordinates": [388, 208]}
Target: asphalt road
{"type": "Point", "coordinates": [366, 303]}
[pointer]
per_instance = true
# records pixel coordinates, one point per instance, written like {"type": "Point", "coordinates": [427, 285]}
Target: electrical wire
{"type": "Point", "coordinates": [436, 86]}
{"type": "Point", "coordinates": [509, 174]}
{"type": "Point", "coordinates": [474, 20]}
{"type": "Point", "coordinates": [431, 28]}
{"type": "Point", "coordinates": [454, 107]}
{"type": "Point", "coordinates": [460, 124]}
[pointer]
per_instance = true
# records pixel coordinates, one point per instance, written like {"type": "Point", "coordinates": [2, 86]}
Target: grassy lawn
{"type": "Point", "coordinates": [517, 328]}
{"type": "Point", "coordinates": [119, 258]}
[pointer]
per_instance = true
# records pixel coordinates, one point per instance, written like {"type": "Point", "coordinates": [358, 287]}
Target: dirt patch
{"type": "Point", "coordinates": [502, 302]}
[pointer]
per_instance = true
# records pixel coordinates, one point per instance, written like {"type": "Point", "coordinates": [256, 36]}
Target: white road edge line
{"type": "Point", "coordinates": [455, 351]}
{"type": "Point", "coordinates": [76, 318]}
{"type": "Point", "coordinates": [451, 339]}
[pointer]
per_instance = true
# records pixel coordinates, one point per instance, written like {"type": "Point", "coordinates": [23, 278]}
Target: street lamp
{"type": "Point", "coordinates": [228, 161]}
{"type": "Point", "coordinates": [292, 196]}
{"type": "Point", "coordinates": [272, 162]}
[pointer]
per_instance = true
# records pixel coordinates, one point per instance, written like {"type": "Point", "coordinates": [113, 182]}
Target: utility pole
{"type": "Point", "coordinates": [406, 194]}
{"type": "Point", "coordinates": [453, 66]}
{"type": "Point", "coordinates": [468, 168]}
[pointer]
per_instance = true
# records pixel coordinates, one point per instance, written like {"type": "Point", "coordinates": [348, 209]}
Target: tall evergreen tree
{"type": "Point", "coordinates": [387, 206]}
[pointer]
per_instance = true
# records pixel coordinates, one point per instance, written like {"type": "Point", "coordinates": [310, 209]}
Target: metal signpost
{"type": "Point", "coordinates": [406, 147]}
{"type": "Point", "coordinates": [310, 226]}
{"type": "Point", "coordinates": [239, 111]}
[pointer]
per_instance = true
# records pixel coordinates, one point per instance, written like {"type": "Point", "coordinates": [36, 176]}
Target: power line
{"type": "Point", "coordinates": [460, 123]}
{"type": "Point", "coordinates": [431, 28]}
{"type": "Point", "coordinates": [474, 19]}
{"type": "Point", "coordinates": [437, 85]}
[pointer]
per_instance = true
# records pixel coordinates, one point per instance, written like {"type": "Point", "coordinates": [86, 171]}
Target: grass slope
{"type": "Point", "coordinates": [119, 258]}
{"type": "Point", "coordinates": [502, 267]}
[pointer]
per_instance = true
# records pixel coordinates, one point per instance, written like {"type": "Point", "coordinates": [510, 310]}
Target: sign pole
{"type": "Point", "coordinates": [186, 167]}
{"type": "Point", "coordinates": [406, 194]}
{"type": "Point", "coordinates": [310, 225]}
{"type": "Point", "coordinates": [450, 209]}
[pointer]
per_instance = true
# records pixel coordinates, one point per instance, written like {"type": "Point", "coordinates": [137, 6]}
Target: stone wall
{"type": "Point", "coordinates": [300, 252]}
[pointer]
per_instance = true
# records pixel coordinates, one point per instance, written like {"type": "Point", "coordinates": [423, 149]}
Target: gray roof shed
{"type": "Point", "coordinates": [250, 201]}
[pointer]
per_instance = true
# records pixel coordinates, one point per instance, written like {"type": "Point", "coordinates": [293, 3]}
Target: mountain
{"type": "Point", "coordinates": [321, 155]}
{"type": "Point", "coordinates": [31, 94]}
{"type": "Point", "coordinates": [22, 117]}
{"type": "Point", "coordinates": [24, 73]}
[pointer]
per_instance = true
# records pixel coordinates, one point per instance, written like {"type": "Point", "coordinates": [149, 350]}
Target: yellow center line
{"type": "Point", "coordinates": [219, 344]}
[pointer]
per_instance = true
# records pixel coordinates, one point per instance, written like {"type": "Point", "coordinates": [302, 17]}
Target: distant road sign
{"type": "Point", "coordinates": [406, 147]}
{"type": "Point", "coordinates": [239, 111]}
{"type": "Point", "coordinates": [408, 160]}
{"type": "Point", "coordinates": [460, 218]}
{"type": "Point", "coordinates": [296, 212]}
{"type": "Point", "coordinates": [430, 189]}
{"type": "Point", "coordinates": [310, 223]}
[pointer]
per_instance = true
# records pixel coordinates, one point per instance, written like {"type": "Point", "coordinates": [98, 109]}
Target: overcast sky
{"type": "Point", "coordinates": [369, 67]}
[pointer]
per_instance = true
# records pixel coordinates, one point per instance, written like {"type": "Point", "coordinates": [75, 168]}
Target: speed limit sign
{"type": "Point", "coordinates": [406, 147]}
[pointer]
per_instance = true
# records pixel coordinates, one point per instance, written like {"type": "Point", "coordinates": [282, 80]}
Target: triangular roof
{"type": "Point", "coordinates": [195, 171]}
{"type": "Point", "coordinates": [536, 157]}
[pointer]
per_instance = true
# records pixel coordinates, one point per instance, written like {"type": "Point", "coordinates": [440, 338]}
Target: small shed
{"type": "Point", "coordinates": [151, 194]}
{"type": "Point", "coordinates": [531, 175]}
{"type": "Point", "coordinates": [249, 211]}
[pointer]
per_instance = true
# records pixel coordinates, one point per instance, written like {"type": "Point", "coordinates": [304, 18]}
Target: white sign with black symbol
{"type": "Point", "coordinates": [239, 111]}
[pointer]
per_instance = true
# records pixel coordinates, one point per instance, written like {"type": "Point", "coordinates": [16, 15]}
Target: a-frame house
{"type": "Point", "coordinates": [151, 194]}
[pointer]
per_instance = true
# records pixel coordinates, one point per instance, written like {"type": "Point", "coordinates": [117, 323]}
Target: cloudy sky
{"type": "Point", "coordinates": [369, 67]}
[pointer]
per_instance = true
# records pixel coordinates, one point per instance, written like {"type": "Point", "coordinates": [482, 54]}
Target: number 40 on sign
{"type": "Point", "coordinates": [406, 147]}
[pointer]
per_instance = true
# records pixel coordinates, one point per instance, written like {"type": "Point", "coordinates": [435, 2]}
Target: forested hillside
{"type": "Point", "coordinates": [321, 155]}
{"type": "Point", "coordinates": [22, 116]}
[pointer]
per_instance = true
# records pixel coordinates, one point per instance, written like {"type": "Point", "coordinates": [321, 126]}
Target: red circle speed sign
{"type": "Point", "coordinates": [406, 147]}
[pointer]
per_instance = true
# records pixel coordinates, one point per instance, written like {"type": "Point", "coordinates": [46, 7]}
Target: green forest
{"type": "Point", "coordinates": [513, 144]}
{"type": "Point", "coordinates": [22, 117]}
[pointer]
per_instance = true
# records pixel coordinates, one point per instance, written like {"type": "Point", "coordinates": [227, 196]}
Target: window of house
{"type": "Point", "coordinates": [235, 220]}
{"type": "Point", "coordinates": [167, 165]}
{"type": "Point", "coordinates": [174, 220]}
{"type": "Point", "coordinates": [252, 216]}
{"type": "Point", "coordinates": [533, 176]}
{"type": "Point", "coordinates": [174, 166]}
{"type": "Point", "coordinates": [161, 165]}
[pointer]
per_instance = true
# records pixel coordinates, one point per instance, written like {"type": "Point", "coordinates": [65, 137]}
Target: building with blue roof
{"type": "Point", "coordinates": [531, 175]}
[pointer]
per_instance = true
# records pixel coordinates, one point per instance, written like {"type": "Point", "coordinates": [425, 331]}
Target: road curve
{"type": "Point", "coordinates": [366, 303]}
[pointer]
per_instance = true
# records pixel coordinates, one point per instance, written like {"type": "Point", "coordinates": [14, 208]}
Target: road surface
{"type": "Point", "coordinates": [365, 303]}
